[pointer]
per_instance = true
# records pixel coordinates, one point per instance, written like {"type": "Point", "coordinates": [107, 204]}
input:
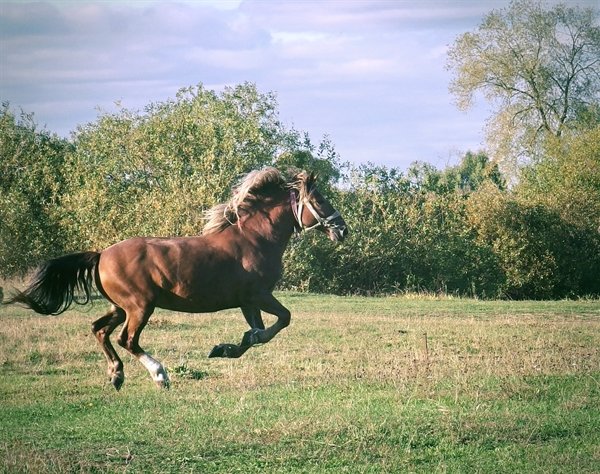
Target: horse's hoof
{"type": "Point", "coordinates": [163, 384]}
{"type": "Point", "coordinates": [217, 351]}
{"type": "Point", "coordinates": [117, 381]}
{"type": "Point", "coordinates": [251, 337]}
{"type": "Point", "coordinates": [230, 351]}
{"type": "Point", "coordinates": [161, 379]}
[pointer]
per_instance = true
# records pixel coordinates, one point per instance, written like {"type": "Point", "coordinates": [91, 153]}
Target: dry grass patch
{"type": "Point", "coordinates": [353, 385]}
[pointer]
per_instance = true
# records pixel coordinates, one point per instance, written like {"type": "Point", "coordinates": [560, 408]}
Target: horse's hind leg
{"type": "Point", "coordinates": [102, 329]}
{"type": "Point", "coordinates": [129, 339]}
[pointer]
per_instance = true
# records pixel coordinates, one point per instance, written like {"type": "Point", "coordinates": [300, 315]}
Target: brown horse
{"type": "Point", "coordinates": [236, 262]}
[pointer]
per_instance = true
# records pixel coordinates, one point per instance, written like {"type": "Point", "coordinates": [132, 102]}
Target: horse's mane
{"type": "Point", "coordinates": [252, 186]}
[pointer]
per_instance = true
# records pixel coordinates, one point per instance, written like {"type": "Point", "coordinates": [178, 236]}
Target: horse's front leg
{"type": "Point", "coordinates": [268, 303]}
{"type": "Point", "coordinates": [257, 334]}
{"type": "Point", "coordinates": [233, 351]}
{"type": "Point", "coordinates": [253, 317]}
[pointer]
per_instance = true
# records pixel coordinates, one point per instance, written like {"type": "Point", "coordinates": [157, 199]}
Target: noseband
{"type": "Point", "coordinates": [297, 207]}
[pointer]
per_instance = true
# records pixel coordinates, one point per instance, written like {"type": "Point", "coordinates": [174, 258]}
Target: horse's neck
{"type": "Point", "coordinates": [272, 227]}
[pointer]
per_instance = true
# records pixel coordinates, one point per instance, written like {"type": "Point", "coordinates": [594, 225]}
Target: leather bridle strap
{"type": "Point", "coordinates": [294, 204]}
{"type": "Point", "coordinates": [297, 208]}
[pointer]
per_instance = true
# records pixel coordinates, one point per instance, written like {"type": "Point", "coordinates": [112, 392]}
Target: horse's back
{"type": "Point", "coordinates": [194, 274]}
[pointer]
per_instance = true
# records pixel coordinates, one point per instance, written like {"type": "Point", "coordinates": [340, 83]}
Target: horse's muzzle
{"type": "Point", "coordinates": [338, 234]}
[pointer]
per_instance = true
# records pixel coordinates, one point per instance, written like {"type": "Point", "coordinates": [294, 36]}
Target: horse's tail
{"type": "Point", "coordinates": [57, 282]}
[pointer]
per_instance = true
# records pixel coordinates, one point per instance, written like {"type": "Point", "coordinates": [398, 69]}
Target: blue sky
{"type": "Point", "coordinates": [370, 74]}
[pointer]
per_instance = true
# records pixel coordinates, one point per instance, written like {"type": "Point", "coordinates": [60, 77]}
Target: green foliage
{"type": "Point", "coordinates": [404, 237]}
{"type": "Point", "coordinates": [153, 173]}
{"type": "Point", "coordinates": [323, 160]}
{"type": "Point", "coordinates": [474, 170]}
{"type": "Point", "coordinates": [31, 185]}
{"type": "Point", "coordinates": [467, 176]}
{"type": "Point", "coordinates": [459, 230]}
{"type": "Point", "coordinates": [540, 254]}
{"type": "Point", "coordinates": [567, 179]}
{"type": "Point", "coordinates": [566, 183]}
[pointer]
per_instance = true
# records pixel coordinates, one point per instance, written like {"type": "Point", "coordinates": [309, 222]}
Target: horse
{"type": "Point", "coordinates": [234, 263]}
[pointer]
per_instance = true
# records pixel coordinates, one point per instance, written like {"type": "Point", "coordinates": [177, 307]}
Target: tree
{"type": "Point", "coordinates": [568, 180]}
{"type": "Point", "coordinates": [567, 183]}
{"type": "Point", "coordinates": [473, 170]}
{"type": "Point", "coordinates": [31, 186]}
{"type": "Point", "coordinates": [539, 67]}
{"type": "Point", "coordinates": [540, 254]}
{"type": "Point", "coordinates": [471, 173]}
{"type": "Point", "coordinates": [154, 173]}
{"type": "Point", "coordinates": [299, 152]}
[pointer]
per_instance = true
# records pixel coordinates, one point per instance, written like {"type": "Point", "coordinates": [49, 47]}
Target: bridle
{"type": "Point", "coordinates": [297, 208]}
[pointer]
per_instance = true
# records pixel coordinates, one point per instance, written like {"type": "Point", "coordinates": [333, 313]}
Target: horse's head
{"type": "Point", "coordinates": [313, 211]}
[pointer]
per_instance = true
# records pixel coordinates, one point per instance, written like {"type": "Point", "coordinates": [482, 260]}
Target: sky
{"type": "Point", "coordinates": [370, 75]}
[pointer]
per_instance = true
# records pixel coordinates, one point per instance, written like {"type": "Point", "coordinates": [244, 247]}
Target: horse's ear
{"type": "Point", "coordinates": [304, 179]}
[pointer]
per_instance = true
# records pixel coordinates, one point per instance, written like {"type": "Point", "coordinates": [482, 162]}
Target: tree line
{"type": "Point", "coordinates": [478, 228]}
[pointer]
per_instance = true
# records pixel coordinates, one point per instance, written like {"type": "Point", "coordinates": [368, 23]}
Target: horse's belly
{"type": "Point", "coordinates": [200, 301]}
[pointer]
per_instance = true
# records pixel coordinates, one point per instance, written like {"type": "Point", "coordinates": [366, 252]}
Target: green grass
{"type": "Point", "coordinates": [353, 385]}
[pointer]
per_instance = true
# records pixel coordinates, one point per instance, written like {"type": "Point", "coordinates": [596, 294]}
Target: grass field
{"type": "Point", "coordinates": [353, 385]}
